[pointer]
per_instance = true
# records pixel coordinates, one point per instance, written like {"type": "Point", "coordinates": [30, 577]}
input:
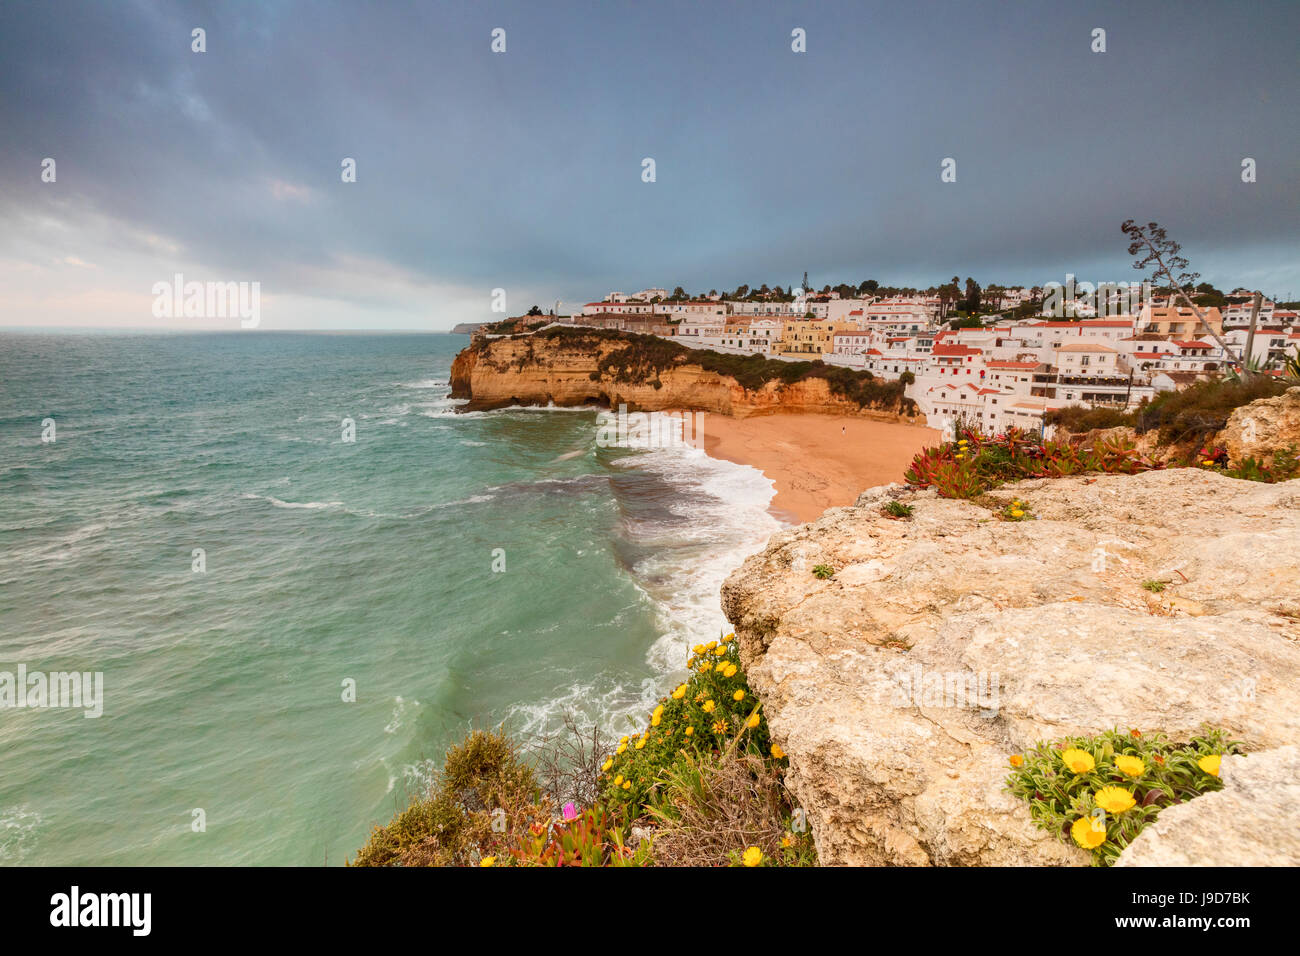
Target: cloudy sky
{"type": "Point", "coordinates": [523, 170]}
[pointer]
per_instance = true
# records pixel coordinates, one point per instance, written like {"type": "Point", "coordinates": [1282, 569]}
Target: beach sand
{"type": "Point", "coordinates": [816, 461]}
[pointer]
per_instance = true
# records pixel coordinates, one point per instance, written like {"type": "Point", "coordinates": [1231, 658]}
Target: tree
{"type": "Point", "coordinates": [678, 294]}
{"type": "Point", "coordinates": [972, 301]}
{"type": "Point", "coordinates": [1164, 258]}
{"type": "Point", "coordinates": [535, 311]}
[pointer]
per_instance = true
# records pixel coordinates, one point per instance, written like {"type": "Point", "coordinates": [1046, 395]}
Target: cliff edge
{"type": "Point", "coordinates": [576, 366]}
{"type": "Point", "coordinates": [949, 640]}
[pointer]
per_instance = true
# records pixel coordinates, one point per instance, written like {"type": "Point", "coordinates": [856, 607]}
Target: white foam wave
{"type": "Point", "coordinates": [425, 383]}
{"type": "Point", "coordinates": [18, 826]}
{"type": "Point", "coordinates": [726, 519]}
{"type": "Point", "coordinates": [297, 504]}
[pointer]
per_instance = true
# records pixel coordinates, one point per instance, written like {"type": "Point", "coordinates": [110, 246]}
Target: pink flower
{"type": "Point", "coordinates": [570, 812]}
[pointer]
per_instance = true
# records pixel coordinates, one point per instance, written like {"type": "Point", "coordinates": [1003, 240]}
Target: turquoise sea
{"type": "Point", "coordinates": [325, 561]}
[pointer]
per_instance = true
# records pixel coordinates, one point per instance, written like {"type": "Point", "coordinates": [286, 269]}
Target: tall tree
{"type": "Point", "coordinates": [1163, 257]}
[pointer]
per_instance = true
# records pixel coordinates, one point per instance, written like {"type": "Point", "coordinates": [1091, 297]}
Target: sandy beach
{"type": "Point", "coordinates": [817, 461]}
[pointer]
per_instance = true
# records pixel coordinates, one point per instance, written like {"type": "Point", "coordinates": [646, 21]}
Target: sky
{"type": "Point", "coordinates": [522, 170]}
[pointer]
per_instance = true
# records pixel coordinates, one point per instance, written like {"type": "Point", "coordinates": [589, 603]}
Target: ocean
{"type": "Point", "coordinates": [201, 534]}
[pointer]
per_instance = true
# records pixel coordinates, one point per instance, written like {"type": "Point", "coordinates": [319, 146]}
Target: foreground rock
{"type": "Point", "coordinates": [948, 641]}
{"type": "Point", "coordinates": [1263, 428]}
{"type": "Point", "coordinates": [1250, 822]}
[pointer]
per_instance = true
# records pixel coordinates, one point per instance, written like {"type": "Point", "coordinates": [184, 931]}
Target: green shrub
{"type": "Point", "coordinates": [1079, 418]}
{"type": "Point", "coordinates": [453, 824]}
{"type": "Point", "coordinates": [1100, 790]}
{"type": "Point", "coordinates": [1198, 411]}
{"type": "Point", "coordinates": [896, 509]}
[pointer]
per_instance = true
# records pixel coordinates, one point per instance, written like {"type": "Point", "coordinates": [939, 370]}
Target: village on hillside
{"type": "Point", "coordinates": [1009, 358]}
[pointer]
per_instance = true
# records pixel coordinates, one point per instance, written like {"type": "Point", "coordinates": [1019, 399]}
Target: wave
{"type": "Point", "coordinates": [296, 504]}
{"type": "Point", "coordinates": [18, 826]}
{"type": "Point", "coordinates": [719, 516]}
{"type": "Point", "coordinates": [425, 383]}
{"type": "Point", "coordinates": [688, 521]}
{"type": "Point", "coordinates": [366, 513]}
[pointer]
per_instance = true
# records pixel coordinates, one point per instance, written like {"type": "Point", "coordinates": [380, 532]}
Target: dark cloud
{"type": "Point", "coordinates": [523, 169]}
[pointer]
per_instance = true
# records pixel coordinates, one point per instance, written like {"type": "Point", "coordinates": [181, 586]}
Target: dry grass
{"type": "Point", "coordinates": [714, 807]}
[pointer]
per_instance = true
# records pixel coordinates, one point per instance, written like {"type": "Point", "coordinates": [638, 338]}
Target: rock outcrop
{"type": "Point", "coordinates": [1250, 822]}
{"type": "Point", "coordinates": [949, 640]}
{"type": "Point", "coordinates": [566, 370]}
{"type": "Point", "coordinates": [1264, 427]}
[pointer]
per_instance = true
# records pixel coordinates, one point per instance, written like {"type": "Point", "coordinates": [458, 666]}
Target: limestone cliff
{"type": "Point", "coordinates": [949, 640]}
{"type": "Point", "coordinates": [580, 367]}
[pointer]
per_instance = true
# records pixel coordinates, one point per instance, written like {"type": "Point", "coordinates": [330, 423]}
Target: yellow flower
{"type": "Point", "coordinates": [959, 456]}
{"type": "Point", "coordinates": [1088, 833]}
{"type": "Point", "coordinates": [738, 695]}
{"type": "Point", "coordinates": [487, 861]}
{"type": "Point", "coordinates": [655, 720]}
{"type": "Point", "coordinates": [1017, 760]}
{"type": "Point", "coordinates": [719, 727]}
{"type": "Point", "coordinates": [706, 667]}
{"type": "Point", "coordinates": [1129, 765]}
{"type": "Point", "coordinates": [690, 731]}
{"type": "Point", "coordinates": [1210, 764]}
{"type": "Point", "coordinates": [777, 752]}
{"type": "Point", "coordinates": [753, 856]}
{"type": "Point", "coordinates": [711, 645]}
{"type": "Point", "coordinates": [1208, 461]}
{"type": "Point", "coordinates": [1017, 513]}
{"type": "Point", "coordinates": [618, 780]}
{"type": "Point", "coordinates": [679, 693]}
{"type": "Point", "coordinates": [1080, 761]}
{"type": "Point", "coordinates": [627, 784]}
{"type": "Point", "coordinates": [640, 743]}
{"type": "Point", "coordinates": [658, 711]}
{"type": "Point", "coordinates": [753, 721]}
{"type": "Point", "coordinates": [729, 671]}
{"type": "Point", "coordinates": [698, 649]}
{"type": "Point", "coordinates": [721, 651]}
{"type": "Point", "coordinates": [1114, 799]}
{"type": "Point", "coordinates": [621, 748]}
{"type": "Point", "coordinates": [607, 764]}
{"type": "Point", "coordinates": [708, 706]}
{"type": "Point", "coordinates": [787, 840]}
{"type": "Point", "coordinates": [622, 740]}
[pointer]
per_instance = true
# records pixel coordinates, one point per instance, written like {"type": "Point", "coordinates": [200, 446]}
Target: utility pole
{"type": "Point", "coordinates": [1250, 333]}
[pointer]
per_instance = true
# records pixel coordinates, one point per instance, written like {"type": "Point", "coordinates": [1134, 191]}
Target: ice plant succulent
{"type": "Point", "coordinates": [1088, 832]}
{"type": "Point", "coordinates": [1099, 791]}
{"type": "Point", "coordinates": [1079, 761]}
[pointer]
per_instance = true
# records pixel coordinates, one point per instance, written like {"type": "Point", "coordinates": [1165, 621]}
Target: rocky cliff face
{"type": "Point", "coordinates": [566, 371]}
{"type": "Point", "coordinates": [1263, 428]}
{"type": "Point", "coordinates": [950, 640]}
